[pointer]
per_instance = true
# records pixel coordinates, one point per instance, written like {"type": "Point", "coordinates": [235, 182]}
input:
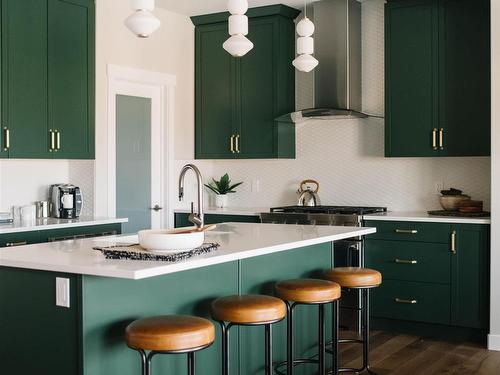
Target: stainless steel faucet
{"type": "Point", "coordinates": [195, 218]}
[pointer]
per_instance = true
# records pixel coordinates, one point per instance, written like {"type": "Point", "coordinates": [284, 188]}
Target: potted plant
{"type": "Point", "coordinates": [221, 189]}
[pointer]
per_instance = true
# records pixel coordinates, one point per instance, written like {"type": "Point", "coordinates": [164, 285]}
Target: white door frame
{"type": "Point", "coordinates": [160, 87]}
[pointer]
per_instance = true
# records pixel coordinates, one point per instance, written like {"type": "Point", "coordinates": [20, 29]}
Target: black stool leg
{"type": "Point", "coordinates": [335, 337]}
{"type": "Point", "coordinates": [191, 364]}
{"type": "Point", "coordinates": [225, 348]}
{"type": "Point", "coordinates": [290, 356]}
{"type": "Point", "coordinates": [321, 338]}
{"type": "Point", "coordinates": [149, 360]}
{"type": "Point", "coordinates": [144, 362]}
{"type": "Point", "coordinates": [269, 349]}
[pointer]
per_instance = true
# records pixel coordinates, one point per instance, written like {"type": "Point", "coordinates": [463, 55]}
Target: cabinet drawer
{"type": "Point", "coordinates": [409, 261]}
{"type": "Point", "coordinates": [19, 239]}
{"type": "Point", "coordinates": [407, 300]}
{"type": "Point", "coordinates": [79, 232]}
{"type": "Point", "coordinates": [410, 231]}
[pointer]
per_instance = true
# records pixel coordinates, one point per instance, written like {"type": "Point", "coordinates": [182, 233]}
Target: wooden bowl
{"type": "Point", "coordinates": [452, 202]}
{"type": "Point", "coordinates": [162, 240]}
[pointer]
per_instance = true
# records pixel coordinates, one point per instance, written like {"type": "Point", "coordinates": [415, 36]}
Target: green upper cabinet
{"type": "Point", "coordinates": [238, 99]}
{"type": "Point", "coordinates": [437, 62]}
{"type": "Point", "coordinates": [71, 39]}
{"type": "Point", "coordinates": [47, 94]}
{"type": "Point", "coordinates": [24, 79]}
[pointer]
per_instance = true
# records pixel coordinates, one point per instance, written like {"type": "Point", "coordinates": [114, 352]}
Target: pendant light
{"type": "Point", "coordinates": [142, 22]}
{"type": "Point", "coordinates": [238, 44]}
{"type": "Point", "coordinates": [305, 61]}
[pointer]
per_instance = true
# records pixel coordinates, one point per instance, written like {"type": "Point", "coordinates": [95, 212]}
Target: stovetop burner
{"type": "Point", "coordinates": [331, 210]}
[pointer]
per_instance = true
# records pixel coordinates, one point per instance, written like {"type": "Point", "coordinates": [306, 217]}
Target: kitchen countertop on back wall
{"type": "Point", "coordinates": [53, 223]}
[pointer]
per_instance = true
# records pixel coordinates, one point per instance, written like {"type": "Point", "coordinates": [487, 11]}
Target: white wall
{"type": "Point", "coordinates": [494, 337]}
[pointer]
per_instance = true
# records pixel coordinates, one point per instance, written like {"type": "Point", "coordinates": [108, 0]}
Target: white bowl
{"type": "Point", "coordinates": [165, 240]}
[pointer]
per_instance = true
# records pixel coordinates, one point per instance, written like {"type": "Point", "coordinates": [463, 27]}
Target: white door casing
{"type": "Point", "coordinates": [160, 88]}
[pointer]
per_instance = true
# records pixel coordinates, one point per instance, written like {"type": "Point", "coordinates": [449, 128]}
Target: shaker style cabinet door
{"type": "Point", "coordinates": [216, 120]}
{"type": "Point", "coordinates": [24, 79]}
{"type": "Point", "coordinates": [410, 74]}
{"type": "Point", "coordinates": [71, 63]}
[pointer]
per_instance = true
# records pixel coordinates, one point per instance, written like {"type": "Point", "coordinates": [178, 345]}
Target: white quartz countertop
{"type": "Point", "coordinates": [244, 211]}
{"type": "Point", "coordinates": [237, 241]}
{"type": "Point", "coordinates": [52, 223]}
{"type": "Point", "coordinates": [425, 217]}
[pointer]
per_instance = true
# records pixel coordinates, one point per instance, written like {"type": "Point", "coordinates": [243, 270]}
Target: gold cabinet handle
{"type": "Point", "coordinates": [58, 140]}
{"type": "Point", "coordinates": [237, 141]}
{"type": "Point", "coordinates": [406, 301]}
{"type": "Point", "coordinates": [52, 140]}
{"type": "Point", "coordinates": [6, 135]}
{"type": "Point", "coordinates": [12, 244]}
{"type": "Point", "coordinates": [434, 139]}
{"type": "Point", "coordinates": [453, 242]}
{"type": "Point", "coordinates": [441, 139]}
{"type": "Point", "coordinates": [406, 231]}
{"type": "Point", "coordinates": [231, 147]}
{"type": "Point", "coordinates": [405, 261]}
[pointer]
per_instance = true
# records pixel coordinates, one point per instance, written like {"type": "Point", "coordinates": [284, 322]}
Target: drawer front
{"type": "Point", "coordinates": [414, 301]}
{"type": "Point", "coordinates": [181, 219]}
{"type": "Point", "coordinates": [409, 261]}
{"type": "Point", "coordinates": [19, 239]}
{"type": "Point", "coordinates": [410, 231]}
{"type": "Point", "coordinates": [80, 232]}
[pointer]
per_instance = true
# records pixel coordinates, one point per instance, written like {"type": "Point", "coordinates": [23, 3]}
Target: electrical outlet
{"type": "Point", "coordinates": [62, 292]}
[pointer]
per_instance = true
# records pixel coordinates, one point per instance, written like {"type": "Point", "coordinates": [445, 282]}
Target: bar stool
{"type": "Point", "coordinates": [310, 292]}
{"type": "Point", "coordinates": [248, 310]}
{"type": "Point", "coordinates": [363, 279]}
{"type": "Point", "coordinates": [170, 334]}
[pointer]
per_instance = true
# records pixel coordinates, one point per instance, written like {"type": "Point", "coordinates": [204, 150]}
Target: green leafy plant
{"type": "Point", "coordinates": [223, 186]}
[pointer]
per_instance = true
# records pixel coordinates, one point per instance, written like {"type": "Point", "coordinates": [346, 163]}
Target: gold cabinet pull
{"type": "Point", "coordinates": [231, 147]}
{"type": "Point", "coordinates": [453, 242]}
{"type": "Point", "coordinates": [237, 141]}
{"type": "Point", "coordinates": [52, 140]}
{"type": "Point", "coordinates": [441, 139]}
{"type": "Point", "coordinates": [406, 301]}
{"type": "Point", "coordinates": [6, 135]}
{"type": "Point", "coordinates": [434, 139]}
{"type": "Point", "coordinates": [405, 261]}
{"type": "Point", "coordinates": [12, 244]}
{"type": "Point", "coordinates": [406, 231]}
{"type": "Point", "coordinates": [58, 140]}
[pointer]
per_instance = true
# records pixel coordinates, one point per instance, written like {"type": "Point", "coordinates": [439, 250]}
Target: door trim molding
{"type": "Point", "coordinates": [164, 84]}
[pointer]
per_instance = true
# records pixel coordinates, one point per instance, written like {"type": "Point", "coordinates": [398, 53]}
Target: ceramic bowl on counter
{"type": "Point", "coordinates": [163, 240]}
{"type": "Point", "coordinates": [452, 202]}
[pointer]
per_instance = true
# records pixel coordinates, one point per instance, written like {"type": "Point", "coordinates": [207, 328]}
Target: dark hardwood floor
{"type": "Point", "coordinates": [401, 354]}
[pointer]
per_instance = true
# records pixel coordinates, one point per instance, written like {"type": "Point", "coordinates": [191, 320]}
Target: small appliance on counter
{"type": "Point", "coordinates": [67, 201]}
{"type": "Point", "coordinates": [6, 218]}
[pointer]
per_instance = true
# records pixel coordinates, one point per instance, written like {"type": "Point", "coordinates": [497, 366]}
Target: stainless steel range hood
{"type": "Point", "coordinates": [336, 81]}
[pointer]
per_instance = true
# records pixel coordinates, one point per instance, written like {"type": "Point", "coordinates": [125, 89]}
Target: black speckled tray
{"type": "Point", "coordinates": [459, 214]}
{"type": "Point", "coordinates": [135, 252]}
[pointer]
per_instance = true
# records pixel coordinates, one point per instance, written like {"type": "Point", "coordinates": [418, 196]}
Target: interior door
{"type": "Point", "coordinates": [139, 157]}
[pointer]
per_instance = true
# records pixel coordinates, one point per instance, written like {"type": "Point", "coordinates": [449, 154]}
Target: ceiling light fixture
{"type": "Point", "coordinates": [305, 61]}
{"type": "Point", "coordinates": [238, 44]}
{"type": "Point", "coordinates": [142, 22]}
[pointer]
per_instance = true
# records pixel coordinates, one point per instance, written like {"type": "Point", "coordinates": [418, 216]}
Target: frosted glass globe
{"type": "Point", "coordinates": [238, 45]}
{"type": "Point", "coordinates": [142, 23]}
{"type": "Point", "coordinates": [237, 6]}
{"type": "Point", "coordinates": [305, 27]}
{"type": "Point", "coordinates": [305, 63]}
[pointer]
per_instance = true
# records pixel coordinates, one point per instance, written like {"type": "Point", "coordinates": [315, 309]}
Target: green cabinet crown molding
{"type": "Point", "coordinates": [437, 78]}
{"type": "Point", "coordinates": [270, 10]}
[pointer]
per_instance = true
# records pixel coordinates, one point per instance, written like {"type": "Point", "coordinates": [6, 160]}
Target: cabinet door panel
{"type": "Point", "coordinates": [464, 75]}
{"type": "Point", "coordinates": [24, 83]}
{"type": "Point", "coordinates": [71, 77]}
{"type": "Point", "coordinates": [258, 91]}
{"type": "Point", "coordinates": [215, 93]}
{"type": "Point", "coordinates": [411, 77]}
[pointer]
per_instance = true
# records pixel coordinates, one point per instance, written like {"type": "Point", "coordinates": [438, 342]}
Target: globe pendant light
{"type": "Point", "coordinates": [238, 44]}
{"type": "Point", "coordinates": [305, 62]}
{"type": "Point", "coordinates": [142, 22]}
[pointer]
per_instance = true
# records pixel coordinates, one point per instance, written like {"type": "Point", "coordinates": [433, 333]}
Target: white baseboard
{"type": "Point", "coordinates": [494, 342]}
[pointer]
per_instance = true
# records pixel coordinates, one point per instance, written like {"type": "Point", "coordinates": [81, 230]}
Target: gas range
{"type": "Point", "coordinates": [319, 215]}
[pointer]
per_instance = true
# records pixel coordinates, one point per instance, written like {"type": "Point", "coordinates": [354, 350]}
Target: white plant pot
{"type": "Point", "coordinates": [221, 200]}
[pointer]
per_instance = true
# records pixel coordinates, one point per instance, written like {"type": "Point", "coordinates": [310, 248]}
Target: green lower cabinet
{"type": "Point", "coordinates": [181, 219]}
{"type": "Point", "coordinates": [19, 239]}
{"type": "Point", "coordinates": [431, 282]}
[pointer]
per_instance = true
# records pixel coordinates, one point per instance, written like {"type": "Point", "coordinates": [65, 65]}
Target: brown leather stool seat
{"type": "Point", "coordinates": [354, 277]}
{"type": "Point", "coordinates": [308, 290]}
{"type": "Point", "coordinates": [248, 309]}
{"type": "Point", "coordinates": [170, 333]}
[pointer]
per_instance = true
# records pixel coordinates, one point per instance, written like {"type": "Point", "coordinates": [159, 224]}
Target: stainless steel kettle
{"type": "Point", "coordinates": [309, 197]}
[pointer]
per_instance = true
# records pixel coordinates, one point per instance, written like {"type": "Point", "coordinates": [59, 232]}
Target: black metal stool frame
{"type": "Point", "coordinates": [146, 358]}
{"type": "Point", "coordinates": [365, 332]}
{"type": "Point", "coordinates": [268, 343]}
{"type": "Point", "coordinates": [291, 361]}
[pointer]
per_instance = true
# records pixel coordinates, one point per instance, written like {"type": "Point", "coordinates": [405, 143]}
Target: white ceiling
{"type": "Point", "coordinates": [196, 7]}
